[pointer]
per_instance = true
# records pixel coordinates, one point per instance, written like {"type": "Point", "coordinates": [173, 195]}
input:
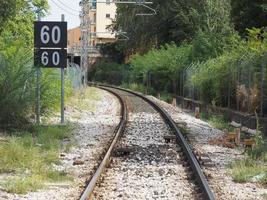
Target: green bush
{"type": "Point", "coordinates": [109, 72]}
{"type": "Point", "coordinates": [16, 88]}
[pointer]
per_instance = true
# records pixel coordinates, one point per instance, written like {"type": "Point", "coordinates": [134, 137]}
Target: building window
{"type": "Point", "coordinates": [94, 4]}
{"type": "Point", "coordinates": [107, 15]}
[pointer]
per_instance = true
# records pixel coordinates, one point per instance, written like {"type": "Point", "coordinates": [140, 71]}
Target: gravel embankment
{"type": "Point", "coordinates": [153, 169]}
{"type": "Point", "coordinates": [220, 180]}
{"type": "Point", "coordinates": [92, 137]}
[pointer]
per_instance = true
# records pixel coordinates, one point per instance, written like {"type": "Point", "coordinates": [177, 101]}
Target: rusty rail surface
{"type": "Point", "coordinates": [118, 132]}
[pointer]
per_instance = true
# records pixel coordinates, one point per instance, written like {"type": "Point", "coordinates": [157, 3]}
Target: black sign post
{"type": "Point", "coordinates": [50, 42]}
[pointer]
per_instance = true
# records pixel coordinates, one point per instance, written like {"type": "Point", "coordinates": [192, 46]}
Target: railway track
{"type": "Point", "coordinates": [144, 164]}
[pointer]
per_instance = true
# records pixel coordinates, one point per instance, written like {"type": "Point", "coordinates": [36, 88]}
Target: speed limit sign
{"type": "Point", "coordinates": [50, 34]}
{"type": "Point", "coordinates": [50, 41]}
{"type": "Point", "coordinates": [50, 58]}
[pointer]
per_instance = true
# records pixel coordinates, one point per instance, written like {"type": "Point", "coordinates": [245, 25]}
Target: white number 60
{"type": "Point", "coordinates": [56, 34]}
{"type": "Point", "coordinates": [45, 58]}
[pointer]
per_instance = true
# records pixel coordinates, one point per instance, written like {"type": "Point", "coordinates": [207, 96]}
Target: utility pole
{"type": "Point", "coordinates": [85, 38]}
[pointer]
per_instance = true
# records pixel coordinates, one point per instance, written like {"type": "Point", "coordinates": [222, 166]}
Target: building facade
{"type": "Point", "coordinates": [100, 17]}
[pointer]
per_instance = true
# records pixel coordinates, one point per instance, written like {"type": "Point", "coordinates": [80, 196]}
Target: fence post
{"type": "Point", "coordinates": [229, 90]}
{"type": "Point", "coordinates": [262, 86]}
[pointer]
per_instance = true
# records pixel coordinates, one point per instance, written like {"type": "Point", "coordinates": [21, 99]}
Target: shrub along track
{"type": "Point", "coordinates": [144, 165]}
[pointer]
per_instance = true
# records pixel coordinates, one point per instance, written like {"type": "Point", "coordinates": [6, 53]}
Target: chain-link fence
{"type": "Point", "coordinates": [75, 75]}
{"type": "Point", "coordinates": [244, 86]}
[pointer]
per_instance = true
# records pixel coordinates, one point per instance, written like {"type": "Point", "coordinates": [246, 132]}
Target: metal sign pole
{"type": "Point", "coordinates": [62, 85]}
{"type": "Point", "coordinates": [38, 88]}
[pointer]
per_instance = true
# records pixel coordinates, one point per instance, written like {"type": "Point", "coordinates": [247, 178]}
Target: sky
{"type": "Point", "coordinates": [70, 8]}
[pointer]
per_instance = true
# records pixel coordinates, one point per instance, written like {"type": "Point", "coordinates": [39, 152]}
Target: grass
{"type": "Point", "coordinates": [259, 152]}
{"type": "Point", "coordinates": [27, 158]}
{"type": "Point", "coordinates": [244, 170]}
{"type": "Point", "coordinates": [85, 99]}
{"type": "Point", "coordinates": [217, 121]}
{"type": "Point", "coordinates": [22, 185]}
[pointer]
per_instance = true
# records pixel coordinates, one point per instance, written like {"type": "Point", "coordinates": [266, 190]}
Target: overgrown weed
{"type": "Point", "coordinates": [27, 158]}
{"type": "Point", "coordinates": [85, 99]}
{"type": "Point", "coordinates": [244, 170]}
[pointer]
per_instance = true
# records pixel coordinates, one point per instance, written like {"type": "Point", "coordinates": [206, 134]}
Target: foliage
{"type": "Point", "coordinates": [28, 158]}
{"type": "Point", "coordinates": [7, 10]}
{"type": "Point", "coordinates": [166, 97]}
{"type": "Point", "coordinates": [248, 14]}
{"type": "Point", "coordinates": [109, 72]}
{"type": "Point", "coordinates": [219, 122]}
{"type": "Point", "coordinates": [216, 78]}
{"type": "Point", "coordinates": [176, 21]}
{"type": "Point", "coordinates": [134, 87]}
{"type": "Point", "coordinates": [18, 21]}
{"type": "Point", "coordinates": [161, 65]}
{"type": "Point", "coordinates": [112, 51]}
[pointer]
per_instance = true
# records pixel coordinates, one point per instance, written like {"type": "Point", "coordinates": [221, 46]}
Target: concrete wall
{"type": "Point", "coordinates": [239, 117]}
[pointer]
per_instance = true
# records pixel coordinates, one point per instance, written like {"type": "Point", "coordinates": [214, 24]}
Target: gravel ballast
{"type": "Point", "coordinates": [153, 168]}
{"type": "Point", "coordinates": [217, 173]}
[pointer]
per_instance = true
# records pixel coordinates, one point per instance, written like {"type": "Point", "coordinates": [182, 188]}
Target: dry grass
{"type": "Point", "coordinates": [85, 99]}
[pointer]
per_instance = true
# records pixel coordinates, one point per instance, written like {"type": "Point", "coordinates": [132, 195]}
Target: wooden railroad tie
{"type": "Point", "coordinates": [123, 151]}
{"type": "Point", "coordinates": [169, 138]}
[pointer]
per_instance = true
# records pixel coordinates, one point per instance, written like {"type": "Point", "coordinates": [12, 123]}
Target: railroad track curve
{"type": "Point", "coordinates": [144, 163]}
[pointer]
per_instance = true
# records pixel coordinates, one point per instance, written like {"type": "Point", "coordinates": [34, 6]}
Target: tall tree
{"type": "Point", "coordinates": [249, 14]}
{"type": "Point", "coordinates": [176, 21]}
{"type": "Point", "coordinates": [17, 16]}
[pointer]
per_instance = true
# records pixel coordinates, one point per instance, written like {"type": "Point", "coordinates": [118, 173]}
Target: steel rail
{"type": "Point", "coordinates": [200, 178]}
{"type": "Point", "coordinates": [119, 130]}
